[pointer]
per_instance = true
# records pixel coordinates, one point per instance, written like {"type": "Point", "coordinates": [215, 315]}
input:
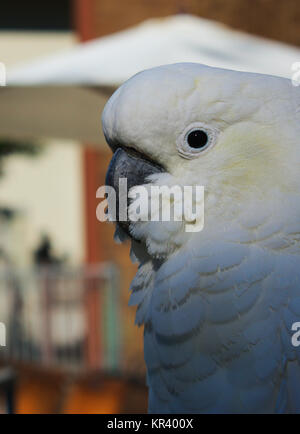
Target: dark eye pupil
{"type": "Point", "coordinates": [197, 139]}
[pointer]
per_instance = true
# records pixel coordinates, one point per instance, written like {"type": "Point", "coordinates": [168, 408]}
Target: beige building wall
{"type": "Point", "coordinates": [21, 47]}
{"type": "Point", "coordinates": [47, 189]}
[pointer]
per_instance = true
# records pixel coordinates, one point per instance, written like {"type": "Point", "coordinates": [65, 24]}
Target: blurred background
{"type": "Point", "coordinates": [71, 343]}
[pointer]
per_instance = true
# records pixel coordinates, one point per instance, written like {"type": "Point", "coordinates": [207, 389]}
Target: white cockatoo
{"type": "Point", "coordinates": [219, 306]}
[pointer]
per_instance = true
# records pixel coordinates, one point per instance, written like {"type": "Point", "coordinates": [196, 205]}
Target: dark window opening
{"type": "Point", "coordinates": [36, 15]}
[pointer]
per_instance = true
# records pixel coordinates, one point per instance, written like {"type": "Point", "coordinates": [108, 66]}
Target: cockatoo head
{"type": "Point", "coordinates": [189, 124]}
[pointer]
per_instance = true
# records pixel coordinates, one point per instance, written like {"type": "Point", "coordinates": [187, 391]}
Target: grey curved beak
{"type": "Point", "coordinates": [134, 167]}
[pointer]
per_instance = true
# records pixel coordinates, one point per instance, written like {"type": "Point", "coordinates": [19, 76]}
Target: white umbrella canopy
{"type": "Point", "coordinates": [181, 38]}
{"type": "Point", "coordinates": [107, 62]}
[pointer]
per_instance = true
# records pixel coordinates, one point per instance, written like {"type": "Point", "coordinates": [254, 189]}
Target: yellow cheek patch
{"type": "Point", "coordinates": [250, 155]}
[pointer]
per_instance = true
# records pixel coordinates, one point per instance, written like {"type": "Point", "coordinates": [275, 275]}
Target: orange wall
{"type": "Point", "coordinates": [40, 392]}
{"type": "Point", "coordinates": [99, 236]}
{"type": "Point", "coordinates": [276, 19]}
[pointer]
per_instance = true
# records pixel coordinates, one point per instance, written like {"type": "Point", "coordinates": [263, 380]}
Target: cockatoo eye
{"type": "Point", "coordinates": [195, 139]}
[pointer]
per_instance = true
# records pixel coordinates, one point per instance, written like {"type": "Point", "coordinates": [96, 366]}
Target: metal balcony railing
{"type": "Point", "coordinates": [62, 318]}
